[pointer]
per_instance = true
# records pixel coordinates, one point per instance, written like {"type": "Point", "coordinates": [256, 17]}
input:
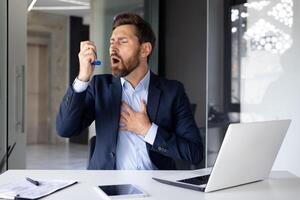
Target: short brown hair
{"type": "Point", "coordinates": [143, 29]}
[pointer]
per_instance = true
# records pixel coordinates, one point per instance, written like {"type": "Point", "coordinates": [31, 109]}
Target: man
{"type": "Point", "coordinates": [142, 121]}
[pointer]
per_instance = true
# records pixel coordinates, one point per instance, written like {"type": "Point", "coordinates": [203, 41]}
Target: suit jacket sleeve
{"type": "Point", "coordinates": [183, 142]}
{"type": "Point", "coordinates": [76, 111]}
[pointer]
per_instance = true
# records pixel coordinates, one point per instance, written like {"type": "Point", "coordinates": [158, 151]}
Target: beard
{"type": "Point", "coordinates": [124, 68]}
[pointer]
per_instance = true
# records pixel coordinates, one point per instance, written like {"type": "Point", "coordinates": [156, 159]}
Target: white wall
{"type": "Point", "coordinates": [270, 84]}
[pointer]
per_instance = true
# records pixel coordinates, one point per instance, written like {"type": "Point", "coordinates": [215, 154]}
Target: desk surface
{"type": "Point", "coordinates": [280, 185]}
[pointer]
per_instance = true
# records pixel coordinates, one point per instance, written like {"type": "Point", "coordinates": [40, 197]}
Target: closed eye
{"type": "Point", "coordinates": [120, 41]}
{"type": "Point", "coordinates": [123, 40]}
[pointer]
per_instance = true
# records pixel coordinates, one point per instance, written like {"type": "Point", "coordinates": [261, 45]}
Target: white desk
{"type": "Point", "coordinates": [280, 186]}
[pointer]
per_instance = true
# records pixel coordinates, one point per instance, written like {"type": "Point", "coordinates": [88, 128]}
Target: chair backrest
{"type": "Point", "coordinates": [6, 156]}
{"type": "Point", "coordinates": [193, 108]}
{"type": "Point", "coordinates": [92, 146]}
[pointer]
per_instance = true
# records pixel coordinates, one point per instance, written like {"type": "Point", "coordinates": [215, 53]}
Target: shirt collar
{"type": "Point", "coordinates": [143, 84]}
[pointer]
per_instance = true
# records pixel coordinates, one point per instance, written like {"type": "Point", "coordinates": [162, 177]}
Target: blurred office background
{"type": "Point", "coordinates": [236, 58]}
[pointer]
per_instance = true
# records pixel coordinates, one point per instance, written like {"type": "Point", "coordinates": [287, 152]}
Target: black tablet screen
{"type": "Point", "coordinates": [124, 189]}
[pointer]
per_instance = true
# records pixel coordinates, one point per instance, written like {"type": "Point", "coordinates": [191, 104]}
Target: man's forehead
{"type": "Point", "coordinates": [124, 30]}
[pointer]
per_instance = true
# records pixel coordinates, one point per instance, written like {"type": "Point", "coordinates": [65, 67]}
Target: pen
{"type": "Point", "coordinates": [33, 181]}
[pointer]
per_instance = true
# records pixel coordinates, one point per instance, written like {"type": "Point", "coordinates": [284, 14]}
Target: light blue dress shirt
{"type": "Point", "coordinates": [131, 152]}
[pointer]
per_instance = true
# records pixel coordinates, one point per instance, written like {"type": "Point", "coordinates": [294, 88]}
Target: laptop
{"type": "Point", "coordinates": [247, 155]}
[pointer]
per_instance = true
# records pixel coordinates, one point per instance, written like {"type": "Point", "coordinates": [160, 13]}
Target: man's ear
{"type": "Point", "coordinates": [146, 49]}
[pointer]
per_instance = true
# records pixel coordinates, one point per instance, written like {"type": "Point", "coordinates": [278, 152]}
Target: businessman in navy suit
{"type": "Point", "coordinates": [142, 121]}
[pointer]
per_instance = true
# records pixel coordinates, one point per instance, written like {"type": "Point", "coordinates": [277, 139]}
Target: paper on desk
{"type": "Point", "coordinates": [25, 189]}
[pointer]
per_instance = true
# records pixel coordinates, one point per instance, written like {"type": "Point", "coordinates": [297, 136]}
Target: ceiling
{"type": "Point", "coordinates": [64, 7]}
{"type": "Point", "coordinates": [78, 7]}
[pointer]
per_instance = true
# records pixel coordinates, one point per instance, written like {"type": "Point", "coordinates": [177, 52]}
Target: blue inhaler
{"type": "Point", "coordinates": [96, 62]}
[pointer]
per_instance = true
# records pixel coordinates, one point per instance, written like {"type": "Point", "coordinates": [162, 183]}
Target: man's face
{"type": "Point", "coordinates": [124, 50]}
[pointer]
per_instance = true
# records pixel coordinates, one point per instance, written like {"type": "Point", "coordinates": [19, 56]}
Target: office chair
{"type": "Point", "coordinates": [92, 142]}
{"type": "Point", "coordinates": [6, 156]}
{"type": "Point", "coordinates": [193, 107]}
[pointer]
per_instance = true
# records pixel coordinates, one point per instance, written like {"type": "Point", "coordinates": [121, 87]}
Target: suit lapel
{"type": "Point", "coordinates": [153, 97]}
{"type": "Point", "coordinates": [116, 96]}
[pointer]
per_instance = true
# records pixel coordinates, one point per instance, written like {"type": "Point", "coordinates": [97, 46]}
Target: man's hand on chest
{"type": "Point", "coordinates": [136, 122]}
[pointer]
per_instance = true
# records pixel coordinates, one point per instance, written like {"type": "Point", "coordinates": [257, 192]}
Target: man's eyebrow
{"type": "Point", "coordinates": [123, 37]}
{"type": "Point", "coordinates": [119, 38]}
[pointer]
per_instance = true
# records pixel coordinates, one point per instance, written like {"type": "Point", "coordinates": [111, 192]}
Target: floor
{"type": "Point", "coordinates": [62, 156]}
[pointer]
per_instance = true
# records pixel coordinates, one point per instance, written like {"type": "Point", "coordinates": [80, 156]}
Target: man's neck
{"type": "Point", "coordinates": [137, 75]}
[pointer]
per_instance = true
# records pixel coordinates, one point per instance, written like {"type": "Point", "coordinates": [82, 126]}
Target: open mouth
{"type": "Point", "coordinates": [115, 60]}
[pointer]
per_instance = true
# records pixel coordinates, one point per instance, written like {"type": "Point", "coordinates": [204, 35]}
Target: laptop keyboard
{"type": "Point", "coordinates": [199, 180]}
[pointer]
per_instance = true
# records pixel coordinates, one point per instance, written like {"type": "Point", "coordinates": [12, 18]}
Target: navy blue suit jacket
{"type": "Point", "coordinates": [177, 138]}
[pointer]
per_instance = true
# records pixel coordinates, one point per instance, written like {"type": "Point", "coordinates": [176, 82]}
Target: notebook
{"type": "Point", "coordinates": [24, 189]}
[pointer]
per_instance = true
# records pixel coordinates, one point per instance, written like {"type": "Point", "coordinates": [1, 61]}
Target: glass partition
{"type": "Point", "coordinates": [3, 81]}
{"type": "Point", "coordinates": [265, 71]}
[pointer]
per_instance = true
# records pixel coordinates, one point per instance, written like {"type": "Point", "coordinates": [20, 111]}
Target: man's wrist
{"type": "Point", "coordinates": [147, 128]}
{"type": "Point", "coordinates": [80, 86]}
{"type": "Point", "coordinates": [151, 134]}
{"type": "Point", "coordinates": [83, 78]}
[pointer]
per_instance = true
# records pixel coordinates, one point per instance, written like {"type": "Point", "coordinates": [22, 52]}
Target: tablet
{"type": "Point", "coordinates": [121, 191]}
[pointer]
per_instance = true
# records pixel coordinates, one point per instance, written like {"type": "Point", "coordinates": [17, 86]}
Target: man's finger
{"type": "Point", "coordinates": [127, 108]}
{"type": "Point", "coordinates": [90, 47]}
{"type": "Point", "coordinates": [121, 125]}
{"type": "Point", "coordinates": [89, 57]}
{"type": "Point", "coordinates": [89, 54]}
{"type": "Point", "coordinates": [123, 128]}
{"type": "Point", "coordinates": [124, 115]}
{"type": "Point", "coordinates": [123, 119]}
{"type": "Point", "coordinates": [84, 43]}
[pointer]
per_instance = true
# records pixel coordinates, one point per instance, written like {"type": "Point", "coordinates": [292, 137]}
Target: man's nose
{"type": "Point", "coordinates": [113, 49]}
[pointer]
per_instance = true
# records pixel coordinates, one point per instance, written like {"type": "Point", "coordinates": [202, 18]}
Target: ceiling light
{"type": "Point", "coordinates": [76, 2]}
{"type": "Point", "coordinates": [31, 5]}
{"type": "Point", "coordinates": [62, 8]}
